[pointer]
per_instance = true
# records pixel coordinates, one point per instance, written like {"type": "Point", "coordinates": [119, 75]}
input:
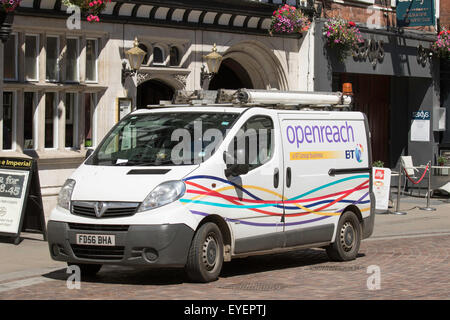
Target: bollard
{"type": "Point", "coordinates": [397, 208]}
{"type": "Point", "coordinates": [428, 208]}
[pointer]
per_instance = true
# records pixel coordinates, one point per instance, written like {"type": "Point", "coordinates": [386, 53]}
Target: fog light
{"type": "Point", "coordinates": [150, 254]}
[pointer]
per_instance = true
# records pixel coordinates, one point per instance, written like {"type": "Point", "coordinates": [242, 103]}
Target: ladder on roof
{"type": "Point", "coordinates": [295, 100]}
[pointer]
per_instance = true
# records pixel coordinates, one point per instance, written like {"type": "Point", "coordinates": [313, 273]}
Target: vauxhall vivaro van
{"type": "Point", "coordinates": [192, 186]}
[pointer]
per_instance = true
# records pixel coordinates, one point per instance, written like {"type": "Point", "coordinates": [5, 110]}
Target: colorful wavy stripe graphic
{"type": "Point", "coordinates": [255, 203]}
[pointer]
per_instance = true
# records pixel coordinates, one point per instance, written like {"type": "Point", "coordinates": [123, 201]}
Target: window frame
{"type": "Point", "coordinates": [37, 37]}
{"type": "Point", "coordinates": [163, 63]}
{"type": "Point", "coordinates": [77, 80]}
{"type": "Point", "coordinates": [96, 61]}
{"type": "Point", "coordinates": [75, 120]}
{"type": "Point", "coordinates": [35, 131]}
{"type": "Point", "coordinates": [55, 120]}
{"type": "Point", "coordinates": [178, 56]}
{"type": "Point", "coordinates": [16, 57]}
{"type": "Point", "coordinates": [13, 122]}
{"type": "Point", "coordinates": [58, 46]}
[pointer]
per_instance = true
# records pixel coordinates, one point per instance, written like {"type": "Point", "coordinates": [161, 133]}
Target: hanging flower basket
{"type": "Point", "coordinates": [9, 5]}
{"type": "Point", "coordinates": [7, 8]}
{"type": "Point", "coordinates": [91, 8]}
{"type": "Point", "coordinates": [288, 19]}
{"type": "Point", "coordinates": [342, 36]}
{"type": "Point", "coordinates": [442, 45]}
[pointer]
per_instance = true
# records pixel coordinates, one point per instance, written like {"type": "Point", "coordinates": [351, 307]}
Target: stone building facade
{"type": "Point", "coordinates": [62, 87]}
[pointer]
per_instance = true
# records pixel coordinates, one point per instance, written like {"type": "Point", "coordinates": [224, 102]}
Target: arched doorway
{"type": "Point", "coordinates": [231, 75]}
{"type": "Point", "coordinates": [152, 92]}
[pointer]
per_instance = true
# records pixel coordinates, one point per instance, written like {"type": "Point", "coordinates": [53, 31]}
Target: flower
{"type": "Point", "coordinates": [92, 8]}
{"type": "Point", "coordinates": [288, 19]}
{"type": "Point", "coordinates": [441, 47]}
{"type": "Point", "coordinates": [342, 35]}
{"type": "Point", "coordinates": [9, 5]}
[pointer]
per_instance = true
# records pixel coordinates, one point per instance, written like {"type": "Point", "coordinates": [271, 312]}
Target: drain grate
{"type": "Point", "coordinates": [256, 286]}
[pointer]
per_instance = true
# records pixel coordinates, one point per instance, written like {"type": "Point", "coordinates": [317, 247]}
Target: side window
{"type": "Point", "coordinates": [254, 142]}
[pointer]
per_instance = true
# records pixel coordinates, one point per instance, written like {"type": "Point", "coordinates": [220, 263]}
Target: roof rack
{"type": "Point", "coordinates": [274, 99]}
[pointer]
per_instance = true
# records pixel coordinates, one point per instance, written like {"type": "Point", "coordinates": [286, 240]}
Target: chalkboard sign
{"type": "Point", "coordinates": [20, 198]}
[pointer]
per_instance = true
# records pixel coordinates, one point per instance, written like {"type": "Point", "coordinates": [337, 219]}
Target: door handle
{"type": "Point", "coordinates": [276, 178]}
{"type": "Point", "coordinates": [288, 177]}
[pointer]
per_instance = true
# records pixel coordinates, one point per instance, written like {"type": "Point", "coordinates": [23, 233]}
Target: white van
{"type": "Point", "coordinates": [166, 187]}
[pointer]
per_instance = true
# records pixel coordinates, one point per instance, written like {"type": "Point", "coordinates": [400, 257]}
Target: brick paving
{"type": "Point", "coordinates": [411, 268]}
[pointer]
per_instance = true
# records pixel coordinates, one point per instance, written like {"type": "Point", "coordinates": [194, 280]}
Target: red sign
{"type": "Point", "coordinates": [379, 174]}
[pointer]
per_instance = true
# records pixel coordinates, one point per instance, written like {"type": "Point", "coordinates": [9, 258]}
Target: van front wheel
{"type": "Point", "coordinates": [205, 258]}
{"type": "Point", "coordinates": [348, 238]}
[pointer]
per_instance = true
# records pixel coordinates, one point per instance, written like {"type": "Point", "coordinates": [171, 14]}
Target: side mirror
{"type": "Point", "coordinates": [88, 153]}
{"type": "Point", "coordinates": [234, 169]}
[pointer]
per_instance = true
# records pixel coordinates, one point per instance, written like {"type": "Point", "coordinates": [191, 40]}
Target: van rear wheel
{"type": "Point", "coordinates": [205, 258]}
{"type": "Point", "coordinates": [348, 238]}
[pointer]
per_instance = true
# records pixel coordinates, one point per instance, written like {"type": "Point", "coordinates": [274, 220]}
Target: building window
{"type": "Point", "coordinates": [50, 120]}
{"type": "Point", "coordinates": [31, 57]}
{"type": "Point", "coordinates": [174, 56]}
{"type": "Point", "coordinates": [89, 119]}
{"type": "Point", "coordinates": [71, 120]}
{"type": "Point", "coordinates": [72, 60]}
{"type": "Point", "coordinates": [10, 58]}
{"type": "Point", "coordinates": [52, 54]}
{"type": "Point", "coordinates": [8, 121]}
{"type": "Point", "coordinates": [91, 60]}
{"type": "Point", "coordinates": [29, 114]}
{"type": "Point", "coordinates": [158, 55]}
{"type": "Point", "coordinates": [144, 47]}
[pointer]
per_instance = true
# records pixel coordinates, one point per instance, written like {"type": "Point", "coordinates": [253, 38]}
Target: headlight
{"type": "Point", "coordinates": [65, 194]}
{"type": "Point", "coordinates": [165, 193]}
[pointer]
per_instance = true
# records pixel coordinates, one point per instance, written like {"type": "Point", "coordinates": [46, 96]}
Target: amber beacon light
{"type": "Point", "coordinates": [347, 89]}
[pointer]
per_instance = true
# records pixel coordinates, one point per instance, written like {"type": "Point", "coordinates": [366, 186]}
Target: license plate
{"type": "Point", "coordinates": [96, 239]}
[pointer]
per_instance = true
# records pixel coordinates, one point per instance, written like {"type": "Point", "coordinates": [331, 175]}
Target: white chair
{"type": "Point", "coordinates": [407, 164]}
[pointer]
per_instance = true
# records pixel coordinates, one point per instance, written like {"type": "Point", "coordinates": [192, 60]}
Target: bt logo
{"type": "Point", "coordinates": [355, 154]}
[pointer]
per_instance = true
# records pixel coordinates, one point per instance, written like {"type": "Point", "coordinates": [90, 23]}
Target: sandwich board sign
{"type": "Point", "coordinates": [20, 198]}
{"type": "Point", "coordinates": [381, 187]}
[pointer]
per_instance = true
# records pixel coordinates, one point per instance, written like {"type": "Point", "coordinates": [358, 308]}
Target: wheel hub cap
{"type": "Point", "coordinates": [210, 252]}
{"type": "Point", "coordinates": [347, 236]}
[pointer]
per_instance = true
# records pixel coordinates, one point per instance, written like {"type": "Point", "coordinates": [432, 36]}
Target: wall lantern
{"type": "Point", "coordinates": [213, 61]}
{"type": "Point", "coordinates": [135, 57]}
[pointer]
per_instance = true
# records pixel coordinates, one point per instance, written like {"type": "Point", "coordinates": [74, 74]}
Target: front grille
{"type": "Point", "coordinates": [110, 209]}
{"type": "Point", "coordinates": [98, 252]}
{"type": "Point", "coordinates": [98, 227]}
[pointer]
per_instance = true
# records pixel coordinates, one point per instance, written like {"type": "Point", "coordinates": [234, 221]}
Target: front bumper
{"type": "Point", "coordinates": [146, 245]}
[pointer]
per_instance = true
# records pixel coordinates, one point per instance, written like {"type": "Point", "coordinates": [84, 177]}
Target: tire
{"type": "Point", "coordinates": [87, 270]}
{"type": "Point", "coordinates": [205, 257]}
{"type": "Point", "coordinates": [348, 238]}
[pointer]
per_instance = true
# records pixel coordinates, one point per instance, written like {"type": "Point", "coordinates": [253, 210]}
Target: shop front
{"type": "Point", "coordinates": [392, 79]}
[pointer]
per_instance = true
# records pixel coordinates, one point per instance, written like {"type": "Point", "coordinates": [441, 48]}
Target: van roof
{"type": "Point", "coordinates": [230, 108]}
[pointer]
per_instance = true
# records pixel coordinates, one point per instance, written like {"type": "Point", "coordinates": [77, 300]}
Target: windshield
{"type": "Point", "coordinates": [163, 139]}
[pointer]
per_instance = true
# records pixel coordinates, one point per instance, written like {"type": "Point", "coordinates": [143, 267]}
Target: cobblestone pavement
{"type": "Point", "coordinates": [411, 268]}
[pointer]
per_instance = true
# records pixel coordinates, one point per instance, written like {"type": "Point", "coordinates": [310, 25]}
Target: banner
{"type": "Point", "coordinates": [414, 13]}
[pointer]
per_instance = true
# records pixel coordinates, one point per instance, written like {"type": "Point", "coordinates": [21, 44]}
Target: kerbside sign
{"type": "Point", "coordinates": [20, 198]}
{"type": "Point", "coordinates": [381, 186]}
{"type": "Point", "coordinates": [13, 190]}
